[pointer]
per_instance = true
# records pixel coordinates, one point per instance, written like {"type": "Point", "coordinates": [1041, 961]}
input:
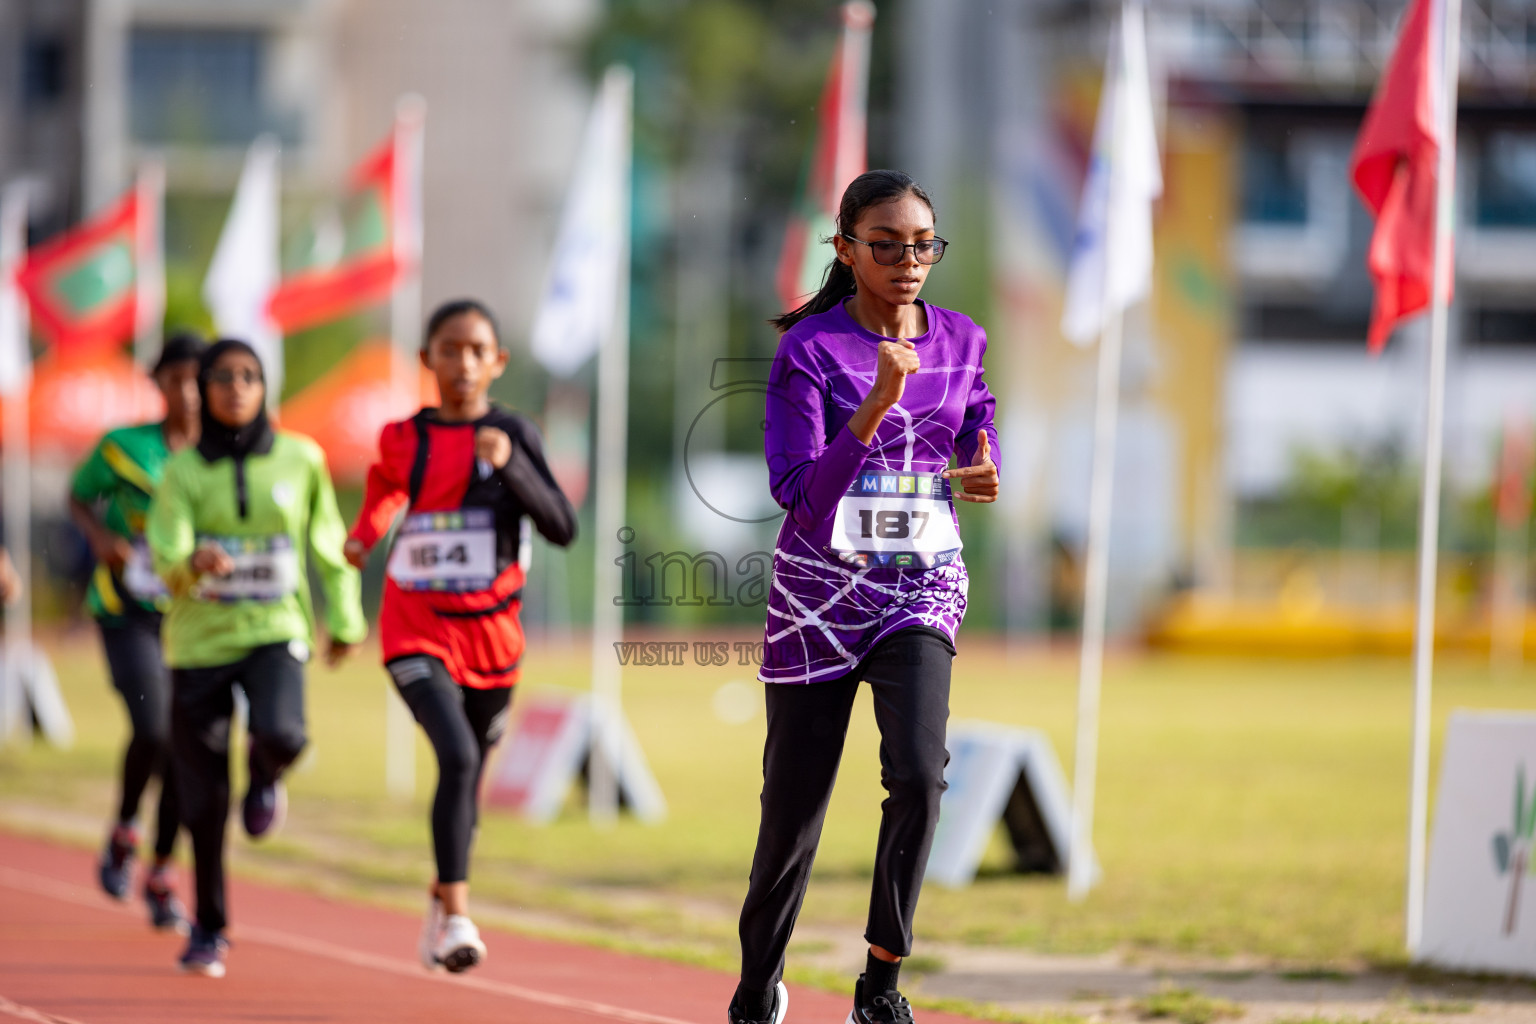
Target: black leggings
{"type": "Point", "coordinates": [203, 700]}
{"type": "Point", "coordinates": [139, 674]}
{"type": "Point", "coordinates": [908, 676]}
{"type": "Point", "coordinates": [462, 723]}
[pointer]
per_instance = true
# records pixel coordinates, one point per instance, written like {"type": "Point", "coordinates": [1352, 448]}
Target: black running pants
{"type": "Point", "coordinates": [140, 676]}
{"type": "Point", "coordinates": [202, 704]}
{"type": "Point", "coordinates": [908, 676]}
{"type": "Point", "coordinates": [462, 723]}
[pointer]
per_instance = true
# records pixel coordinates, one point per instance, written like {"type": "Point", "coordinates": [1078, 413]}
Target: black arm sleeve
{"type": "Point", "coordinates": [527, 476]}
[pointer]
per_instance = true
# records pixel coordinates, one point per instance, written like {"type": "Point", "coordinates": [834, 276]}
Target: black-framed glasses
{"type": "Point", "coordinates": [225, 378]}
{"type": "Point", "coordinates": [888, 254]}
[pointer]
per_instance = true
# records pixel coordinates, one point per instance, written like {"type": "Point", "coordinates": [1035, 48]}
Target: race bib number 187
{"type": "Point", "coordinates": [900, 520]}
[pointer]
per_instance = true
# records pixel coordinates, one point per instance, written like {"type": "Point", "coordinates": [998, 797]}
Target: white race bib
{"type": "Point", "coordinates": [900, 520]}
{"type": "Point", "coordinates": [266, 569]}
{"type": "Point", "coordinates": [139, 577]}
{"type": "Point", "coordinates": [453, 551]}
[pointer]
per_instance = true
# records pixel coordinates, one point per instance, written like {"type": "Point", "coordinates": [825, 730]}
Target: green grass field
{"type": "Point", "coordinates": [1247, 808]}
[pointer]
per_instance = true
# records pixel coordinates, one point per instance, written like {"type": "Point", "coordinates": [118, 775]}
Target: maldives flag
{"type": "Point", "coordinates": [839, 157]}
{"type": "Point", "coordinates": [380, 243]}
{"type": "Point", "coordinates": [1395, 168]}
{"type": "Point", "coordinates": [85, 287]}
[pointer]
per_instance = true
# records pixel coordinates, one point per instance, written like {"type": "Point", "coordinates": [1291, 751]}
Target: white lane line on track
{"type": "Point", "coordinates": [66, 892]}
{"type": "Point", "coordinates": [26, 1013]}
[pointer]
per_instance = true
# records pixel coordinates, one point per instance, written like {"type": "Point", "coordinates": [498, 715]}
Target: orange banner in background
{"type": "Point", "coordinates": [77, 398]}
{"type": "Point", "coordinates": [345, 409]}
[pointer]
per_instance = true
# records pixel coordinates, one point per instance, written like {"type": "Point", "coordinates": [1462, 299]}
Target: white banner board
{"type": "Point", "coordinates": [998, 774]}
{"type": "Point", "coordinates": [1480, 907]}
{"type": "Point", "coordinates": [548, 748]}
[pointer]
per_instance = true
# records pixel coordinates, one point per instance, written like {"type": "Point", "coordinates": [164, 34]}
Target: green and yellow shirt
{"type": "Point", "coordinates": [123, 471]}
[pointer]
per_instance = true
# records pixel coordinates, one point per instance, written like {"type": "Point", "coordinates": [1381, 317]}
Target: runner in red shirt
{"type": "Point", "coordinates": [466, 474]}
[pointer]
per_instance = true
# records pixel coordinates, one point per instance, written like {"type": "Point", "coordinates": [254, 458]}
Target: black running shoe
{"type": "Point", "coordinates": [886, 1008]}
{"type": "Point", "coordinates": [204, 953]}
{"type": "Point", "coordinates": [264, 807]}
{"type": "Point", "coordinates": [775, 1016]}
{"type": "Point", "coordinates": [115, 869]}
{"type": "Point", "coordinates": [166, 912]}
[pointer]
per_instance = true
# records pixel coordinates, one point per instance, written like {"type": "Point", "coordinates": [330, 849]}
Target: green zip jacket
{"type": "Point", "coordinates": [266, 600]}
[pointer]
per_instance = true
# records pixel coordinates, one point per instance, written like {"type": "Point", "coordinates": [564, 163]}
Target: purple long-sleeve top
{"type": "Point", "coordinates": [829, 606]}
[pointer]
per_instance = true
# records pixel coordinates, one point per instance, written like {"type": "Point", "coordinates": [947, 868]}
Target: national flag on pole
{"type": "Point", "coordinates": [1394, 168]}
{"type": "Point", "coordinates": [577, 309]}
{"type": "Point", "coordinates": [86, 288]}
{"type": "Point", "coordinates": [839, 156]}
{"type": "Point", "coordinates": [15, 352]}
{"type": "Point", "coordinates": [245, 268]}
{"type": "Point", "coordinates": [379, 208]}
{"type": "Point", "coordinates": [1108, 275]}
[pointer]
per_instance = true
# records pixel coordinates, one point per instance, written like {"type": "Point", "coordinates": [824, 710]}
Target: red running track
{"type": "Point", "coordinates": [71, 955]}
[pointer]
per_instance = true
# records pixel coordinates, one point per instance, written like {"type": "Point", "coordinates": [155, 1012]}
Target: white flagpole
{"type": "Point", "coordinates": [17, 472]}
{"type": "Point", "coordinates": [609, 479]}
{"type": "Point", "coordinates": [1095, 607]}
{"type": "Point", "coordinates": [1429, 499]}
{"type": "Point", "coordinates": [405, 301]}
{"type": "Point", "coordinates": [404, 325]}
{"type": "Point", "coordinates": [149, 261]}
{"type": "Point", "coordinates": [1100, 515]}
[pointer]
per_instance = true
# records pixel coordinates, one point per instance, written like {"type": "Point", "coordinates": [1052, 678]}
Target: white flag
{"type": "Point", "coordinates": [245, 267]}
{"type": "Point", "coordinates": [1112, 255]}
{"type": "Point", "coordinates": [15, 353]}
{"type": "Point", "coordinates": [577, 309]}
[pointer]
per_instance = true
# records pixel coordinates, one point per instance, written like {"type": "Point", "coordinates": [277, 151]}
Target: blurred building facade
{"type": "Point", "coordinates": [87, 87]}
{"type": "Point", "coordinates": [1253, 345]}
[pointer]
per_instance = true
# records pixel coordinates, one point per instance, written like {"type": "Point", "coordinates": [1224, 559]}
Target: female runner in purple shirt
{"type": "Point", "coordinates": [872, 391]}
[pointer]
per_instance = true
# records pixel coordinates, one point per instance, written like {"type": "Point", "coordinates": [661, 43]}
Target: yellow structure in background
{"type": "Point", "coordinates": [1192, 309]}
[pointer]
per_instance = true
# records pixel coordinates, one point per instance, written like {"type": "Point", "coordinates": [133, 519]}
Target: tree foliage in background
{"type": "Point", "coordinates": [1362, 496]}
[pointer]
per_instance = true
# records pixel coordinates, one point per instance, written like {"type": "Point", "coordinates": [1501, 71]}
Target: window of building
{"type": "Point", "coordinates": [1274, 180]}
{"type": "Point", "coordinates": [1501, 327]}
{"type": "Point", "coordinates": [196, 85]}
{"type": "Point", "coordinates": [1320, 321]}
{"type": "Point", "coordinates": [1506, 180]}
{"type": "Point", "coordinates": [42, 70]}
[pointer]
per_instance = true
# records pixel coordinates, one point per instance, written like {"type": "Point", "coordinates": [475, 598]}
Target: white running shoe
{"type": "Point", "coordinates": [460, 947]}
{"type": "Point", "coordinates": [431, 931]}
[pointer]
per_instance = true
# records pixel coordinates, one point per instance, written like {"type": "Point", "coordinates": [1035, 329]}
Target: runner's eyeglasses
{"type": "Point", "coordinates": [226, 378]}
{"type": "Point", "coordinates": [888, 254]}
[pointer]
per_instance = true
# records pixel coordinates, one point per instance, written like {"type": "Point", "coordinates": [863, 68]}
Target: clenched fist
{"type": "Point", "coordinates": [493, 445]}
{"type": "Point", "coordinates": [895, 360]}
{"type": "Point", "coordinates": [212, 560]}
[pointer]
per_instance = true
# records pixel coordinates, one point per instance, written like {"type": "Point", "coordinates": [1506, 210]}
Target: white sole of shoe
{"type": "Point", "coordinates": [783, 1007]}
{"type": "Point", "coordinates": [215, 970]}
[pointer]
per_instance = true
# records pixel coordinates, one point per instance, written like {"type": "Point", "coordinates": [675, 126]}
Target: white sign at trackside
{"type": "Point", "coordinates": [1480, 908]}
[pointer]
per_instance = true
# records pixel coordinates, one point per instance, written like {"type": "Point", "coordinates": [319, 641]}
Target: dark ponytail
{"type": "Point", "coordinates": [872, 188]}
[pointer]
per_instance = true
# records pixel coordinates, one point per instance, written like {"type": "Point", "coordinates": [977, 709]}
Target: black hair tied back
{"type": "Point", "coordinates": [458, 307]}
{"type": "Point", "coordinates": [872, 188]}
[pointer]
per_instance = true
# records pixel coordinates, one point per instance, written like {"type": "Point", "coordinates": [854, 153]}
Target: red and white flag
{"type": "Point", "coordinates": [1395, 168]}
{"type": "Point", "coordinates": [101, 283]}
{"type": "Point", "coordinates": [381, 218]}
{"type": "Point", "coordinates": [840, 156]}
